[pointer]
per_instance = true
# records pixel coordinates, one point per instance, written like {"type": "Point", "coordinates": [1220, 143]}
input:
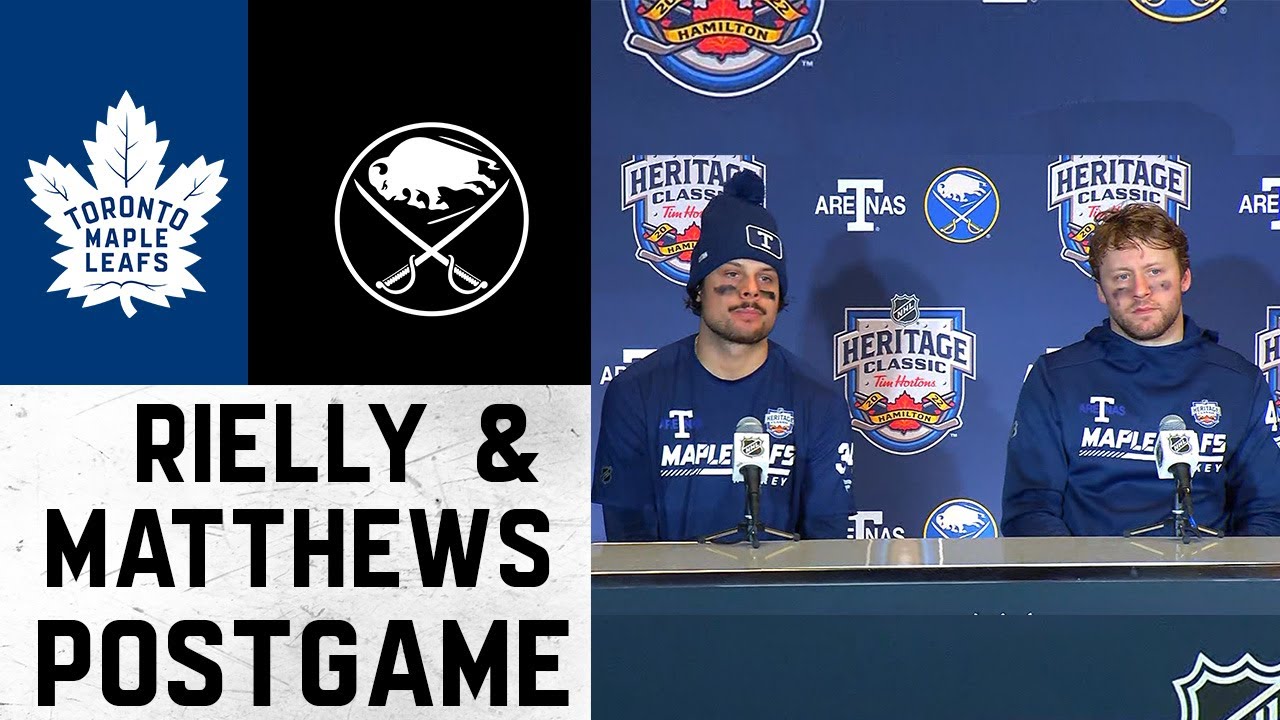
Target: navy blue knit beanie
{"type": "Point", "coordinates": [736, 225]}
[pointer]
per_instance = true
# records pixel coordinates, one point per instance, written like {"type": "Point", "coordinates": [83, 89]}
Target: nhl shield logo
{"type": "Point", "coordinates": [722, 48]}
{"type": "Point", "coordinates": [666, 195]}
{"type": "Point", "coordinates": [1245, 690]}
{"type": "Point", "coordinates": [1082, 186]}
{"type": "Point", "coordinates": [904, 381]}
{"type": "Point", "coordinates": [904, 309]}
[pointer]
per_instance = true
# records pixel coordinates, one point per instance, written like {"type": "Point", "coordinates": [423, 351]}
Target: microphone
{"type": "Point", "coordinates": [1177, 453]}
{"type": "Point", "coordinates": [750, 462]}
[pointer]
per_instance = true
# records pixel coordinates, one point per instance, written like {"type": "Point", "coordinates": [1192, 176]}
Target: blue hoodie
{"type": "Point", "coordinates": [663, 466]}
{"type": "Point", "coordinates": [1081, 455]}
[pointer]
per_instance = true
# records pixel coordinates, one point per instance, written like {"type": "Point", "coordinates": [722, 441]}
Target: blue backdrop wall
{"type": "Point", "coordinates": [920, 158]}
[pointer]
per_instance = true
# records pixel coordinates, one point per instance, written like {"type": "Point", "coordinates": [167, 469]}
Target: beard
{"type": "Point", "coordinates": [1152, 327]}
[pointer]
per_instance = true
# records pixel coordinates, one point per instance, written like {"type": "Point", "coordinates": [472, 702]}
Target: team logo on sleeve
{"type": "Point", "coordinates": [1082, 186]}
{"type": "Point", "coordinates": [722, 48]}
{"type": "Point", "coordinates": [961, 518]}
{"type": "Point", "coordinates": [126, 236]}
{"type": "Point", "coordinates": [1267, 354]}
{"type": "Point", "coordinates": [1178, 11]}
{"type": "Point", "coordinates": [1244, 690]}
{"type": "Point", "coordinates": [904, 368]}
{"type": "Point", "coordinates": [666, 195]}
{"type": "Point", "coordinates": [961, 205]}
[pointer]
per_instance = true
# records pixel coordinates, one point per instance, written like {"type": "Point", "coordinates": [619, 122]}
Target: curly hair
{"type": "Point", "coordinates": [1122, 228]}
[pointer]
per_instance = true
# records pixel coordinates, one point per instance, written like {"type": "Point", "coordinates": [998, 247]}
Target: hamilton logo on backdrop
{"type": "Point", "coordinates": [126, 235]}
{"type": "Point", "coordinates": [1179, 11]}
{"type": "Point", "coordinates": [1082, 186]}
{"type": "Point", "coordinates": [666, 195]}
{"type": "Point", "coordinates": [722, 48]}
{"type": "Point", "coordinates": [1244, 690]}
{"type": "Point", "coordinates": [431, 219]}
{"type": "Point", "coordinates": [905, 368]}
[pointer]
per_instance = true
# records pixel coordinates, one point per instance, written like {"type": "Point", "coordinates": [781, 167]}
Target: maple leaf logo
{"type": "Point", "coordinates": [126, 234]}
{"type": "Point", "coordinates": [904, 402]}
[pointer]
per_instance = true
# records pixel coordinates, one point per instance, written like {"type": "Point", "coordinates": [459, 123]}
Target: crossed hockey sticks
{"type": "Point", "coordinates": [472, 283]}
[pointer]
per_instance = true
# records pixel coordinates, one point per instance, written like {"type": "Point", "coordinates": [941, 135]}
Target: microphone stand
{"type": "Point", "coordinates": [751, 523]}
{"type": "Point", "coordinates": [1180, 518]}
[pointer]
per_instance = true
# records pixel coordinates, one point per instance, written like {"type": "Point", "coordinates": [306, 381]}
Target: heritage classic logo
{"type": "Point", "coordinates": [905, 368]}
{"type": "Point", "coordinates": [1081, 186]}
{"type": "Point", "coordinates": [1178, 11]}
{"type": "Point", "coordinates": [126, 234]}
{"type": "Point", "coordinates": [1244, 690]}
{"type": "Point", "coordinates": [666, 195]}
{"type": "Point", "coordinates": [1267, 357]}
{"type": "Point", "coordinates": [722, 48]}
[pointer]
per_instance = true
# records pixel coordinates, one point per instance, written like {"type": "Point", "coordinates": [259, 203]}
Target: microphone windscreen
{"type": "Point", "coordinates": [750, 425]}
{"type": "Point", "coordinates": [1172, 422]}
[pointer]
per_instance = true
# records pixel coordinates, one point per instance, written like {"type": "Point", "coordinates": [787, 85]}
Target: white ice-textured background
{"type": "Point", "coordinates": [75, 448]}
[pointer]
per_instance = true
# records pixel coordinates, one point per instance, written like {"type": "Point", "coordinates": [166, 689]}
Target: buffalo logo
{"type": "Point", "coordinates": [1244, 690]}
{"type": "Point", "coordinates": [780, 422]}
{"type": "Point", "coordinates": [1207, 413]}
{"type": "Point", "coordinates": [960, 518]}
{"type": "Point", "coordinates": [416, 190]}
{"type": "Point", "coordinates": [1178, 11]}
{"type": "Point", "coordinates": [1082, 186]}
{"type": "Point", "coordinates": [904, 379]}
{"type": "Point", "coordinates": [1267, 357]}
{"type": "Point", "coordinates": [722, 48]}
{"type": "Point", "coordinates": [961, 205]}
{"type": "Point", "coordinates": [666, 195]}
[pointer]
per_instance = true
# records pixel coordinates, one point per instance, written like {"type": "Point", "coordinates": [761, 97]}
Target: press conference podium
{"type": "Point", "coordinates": [926, 628]}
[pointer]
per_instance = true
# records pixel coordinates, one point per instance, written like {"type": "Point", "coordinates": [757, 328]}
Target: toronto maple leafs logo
{"type": "Point", "coordinates": [126, 234]}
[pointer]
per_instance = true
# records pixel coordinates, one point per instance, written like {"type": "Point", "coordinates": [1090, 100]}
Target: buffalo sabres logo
{"type": "Point", "coordinates": [666, 195]}
{"type": "Point", "coordinates": [722, 48]}
{"type": "Point", "coordinates": [961, 518]}
{"type": "Point", "coordinates": [1082, 186]}
{"type": "Point", "coordinates": [961, 205]}
{"type": "Point", "coordinates": [417, 189]}
{"type": "Point", "coordinates": [1244, 690]}
{"type": "Point", "coordinates": [1178, 11]}
{"type": "Point", "coordinates": [904, 369]}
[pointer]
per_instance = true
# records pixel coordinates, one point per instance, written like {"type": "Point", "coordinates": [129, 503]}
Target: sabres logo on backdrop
{"type": "Point", "coordinates": [961, 518]}
{"type": "Point", "coordinates": [1082, 186]}
{"type": "Point", "coordinates": [666, 195]}
{"type": "Point", "coordinates": [1179, 11]}
{"type": "Point", "coordinates": [905, 368]}
{"type": "Point", "coordinates": [722, 48]}
{"type": "Point", "coordinates": [962, 205]}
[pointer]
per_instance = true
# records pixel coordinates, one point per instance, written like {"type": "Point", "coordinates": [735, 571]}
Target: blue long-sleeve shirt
{"type": "Point", "coordinates": [663, 465]}
{"type": "Point", "coordinates": [1081, 455]}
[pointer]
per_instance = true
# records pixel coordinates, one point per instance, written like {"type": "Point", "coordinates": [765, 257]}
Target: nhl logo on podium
{"type": "Point", "coordinates": [1245, 690]}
